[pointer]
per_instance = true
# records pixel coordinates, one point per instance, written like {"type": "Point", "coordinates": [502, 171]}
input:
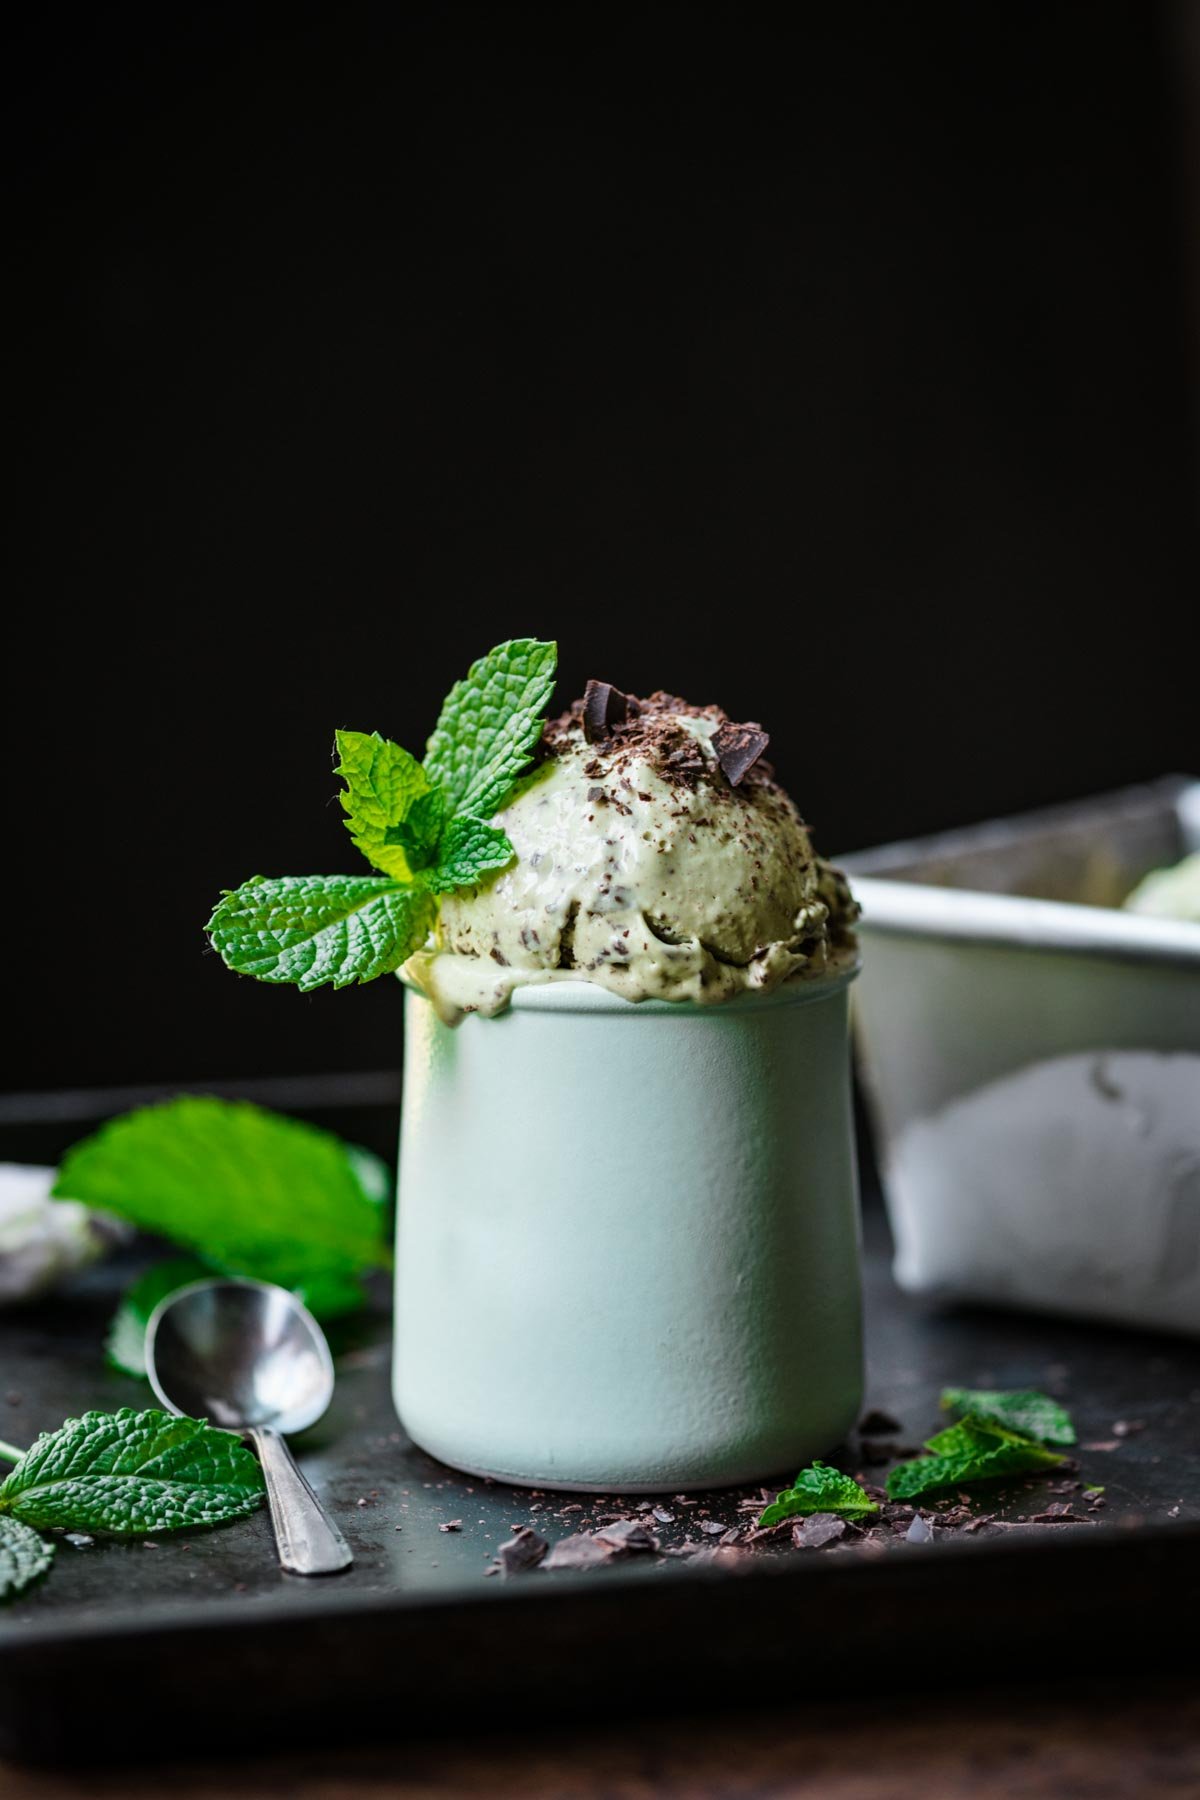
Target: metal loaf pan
{"type": "Point", "coordinates": [1031, 1060]}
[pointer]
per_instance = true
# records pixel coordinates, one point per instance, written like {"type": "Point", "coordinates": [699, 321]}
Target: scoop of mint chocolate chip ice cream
{"type": "Point", "coordinates": [655, 855]}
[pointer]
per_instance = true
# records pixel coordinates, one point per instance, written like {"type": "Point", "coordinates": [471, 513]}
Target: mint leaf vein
{"type": "Point", "coordinates": [23, 1556]}
{"type": "Point", "coordinates": [490, 725]}
{"type": "Point", "coordinates": [314, 929]}
{"type": "Point", "coordinates": [1023, 1410]}
{"type": "Point", "coordinates": [973, 1450]}
{"type": "Point", "coordinates": [130, 1473]}
{"type": "Point", "coordinates": [819, 1489]}
{"type": "Point", "coordinates": [248, 1191]}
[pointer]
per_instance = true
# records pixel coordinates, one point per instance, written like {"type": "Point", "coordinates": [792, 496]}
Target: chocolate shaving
{"type": "Point", "coordinates": [603, 707]}
{"type": "Point", "coordinates": [627, 1534]}
{"type": "Point", "coordinates": [738, 748]}
{"type": "Point", "coordinates": [582, 1551]}
{"type": "Point", "coordinates": [817, 1530]}
{"type": "Point", "coordinates": [524, 1550]}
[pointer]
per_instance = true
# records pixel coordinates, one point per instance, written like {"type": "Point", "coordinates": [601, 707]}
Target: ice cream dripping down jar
{"type": "Point", "coordinates": [627, 1229]}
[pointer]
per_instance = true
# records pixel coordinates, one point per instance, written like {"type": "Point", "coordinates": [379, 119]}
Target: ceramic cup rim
{"type": "Point", "coordinates": [579, 995]}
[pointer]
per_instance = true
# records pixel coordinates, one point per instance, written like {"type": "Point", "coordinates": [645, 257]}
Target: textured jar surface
{"type": "Point", "coordinates": [627, 1239]}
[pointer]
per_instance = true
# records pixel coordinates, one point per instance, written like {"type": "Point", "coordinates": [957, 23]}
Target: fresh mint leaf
{"type": "Point", "coordinates": [419, 832]}
{"type": "Point", "coordinates": [490, 725]}
{"type": "Point", "coordinates": [23, 1557]}
{"type": "Point", "coordinates": [249, 1191]}
{"type": "Point", "coordinates": [1023, 1410]}
{"type": "Point", "coordinates": [819, 1489]}
{"type": "Point", "coordinates": [468, 853]}
{"type": "Point", "coordinates": [313, 929]}
{"type": "Point", "coordinates": [129, 1473]}
{"type": "Point", "coordinates": [973, 1450]}
{"type": "Point", "coordinates": [385, 787]}
{"type": "Point", "coordinates": [125, 1346]}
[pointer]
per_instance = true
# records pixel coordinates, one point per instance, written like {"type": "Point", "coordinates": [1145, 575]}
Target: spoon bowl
{"type": "Point", "coordinates": [247, 1356]}
{"type": "Point", "coordinates": [239, 1354]}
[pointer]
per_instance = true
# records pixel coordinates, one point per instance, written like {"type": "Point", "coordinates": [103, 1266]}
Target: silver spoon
{"type": "Point", "coordinates": [247, 1356]}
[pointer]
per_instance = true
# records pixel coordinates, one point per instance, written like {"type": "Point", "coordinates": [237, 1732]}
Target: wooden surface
{"type": "Point", "coordinates": [1110, 1741]}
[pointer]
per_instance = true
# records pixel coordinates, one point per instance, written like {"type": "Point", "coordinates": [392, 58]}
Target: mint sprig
{"type": "Point", "coordinates": [819, 1489]}
{"type": "Point", "coordinates": [1024, 1410]}
{"type": "Point", "coordinates": [425, 827]}
{"type": "Point", "coordinates": [248, 1192]}
{"type": "Point", "coordinates": [975, 1449]}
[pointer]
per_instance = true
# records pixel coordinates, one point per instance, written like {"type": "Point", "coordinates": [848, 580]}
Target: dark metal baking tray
{"type": "Point", "coordinates": [128, 1649]}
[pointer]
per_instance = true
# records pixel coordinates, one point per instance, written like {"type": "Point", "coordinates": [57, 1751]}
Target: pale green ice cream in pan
{"type": "Point", "coordinates": [1172, 893]}
{"type": "Point", "coordinates": [648, 863]}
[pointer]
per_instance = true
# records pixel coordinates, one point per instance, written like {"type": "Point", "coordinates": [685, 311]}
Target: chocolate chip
{"type": "Point", "coordinates": [603, 707]}
{"type": "Point", "coordinates": [738, 748]}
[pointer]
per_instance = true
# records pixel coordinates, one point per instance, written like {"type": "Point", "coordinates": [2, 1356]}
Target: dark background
{"type": "Point", "coordinates": [841, 371]}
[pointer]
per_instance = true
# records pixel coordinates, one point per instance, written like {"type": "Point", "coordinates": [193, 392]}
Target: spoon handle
{"type": "Point", "coordinates": [308, 1541]}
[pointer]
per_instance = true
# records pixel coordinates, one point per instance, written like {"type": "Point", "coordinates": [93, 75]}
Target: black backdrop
{"type": "Point", "coordinates": [838, 372]}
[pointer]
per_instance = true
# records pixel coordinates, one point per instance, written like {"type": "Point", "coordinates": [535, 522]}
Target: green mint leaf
{"type": "Point", "coordinates": [250, 1192]}
{"type": "Point", "coordinates": [384, 788]}
{"type": "Point", "coordinates": [468, 853]}
{"type": "Point", "coordinates": [819, 1489]}
{"type": "Point", "coordinates": [125, 1345]}
{"type": "Point", "coordinates": [419, 832]}
{"type": "Point", "coordinates": [490, 725]}
{"type": "Point", "coordinates": [132, 1472]}
{"type": "Point", "coordinates": [1022, 1409]}
{"type": "Point", "coordinates": [313, 929]}
{"type": "Point", "coordinates": [23, 1556]}
{"type": "Point", "coordinates": [973, 1450]}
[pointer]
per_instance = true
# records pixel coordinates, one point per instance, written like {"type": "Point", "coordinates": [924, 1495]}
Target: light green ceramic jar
{"type": "Point", "coordinates": [627, 1239]}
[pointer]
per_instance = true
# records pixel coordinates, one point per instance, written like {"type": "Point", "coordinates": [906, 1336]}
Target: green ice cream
{"type": "Point", "coordinates": [1172, 893]}
{"type": "Point", "coordinates": [650, 862]}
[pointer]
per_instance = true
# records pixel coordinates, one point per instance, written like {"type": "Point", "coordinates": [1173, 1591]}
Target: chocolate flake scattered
{"type": "Point", "coordinates": [580, 1551]}
{"type": "Point", "coordinates": [524, 1550]}
{"type": "Point", "coordinates": [668, 1518]}
{"type": "Point", "coordinates": [878, 1423]}
{"type": "Point", "coordinates": [603, 707]}
{"type": "Point", "coordinates": [819, 1529]}
{"type": "Point", "coordinates": [627, 1534]}
{"type": "Point", "coordinates": [725, 1556]}
{"type": "Point", "coordinates": [714, 1527]}
{"type": "Point", "coordinates": [738, 748]}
